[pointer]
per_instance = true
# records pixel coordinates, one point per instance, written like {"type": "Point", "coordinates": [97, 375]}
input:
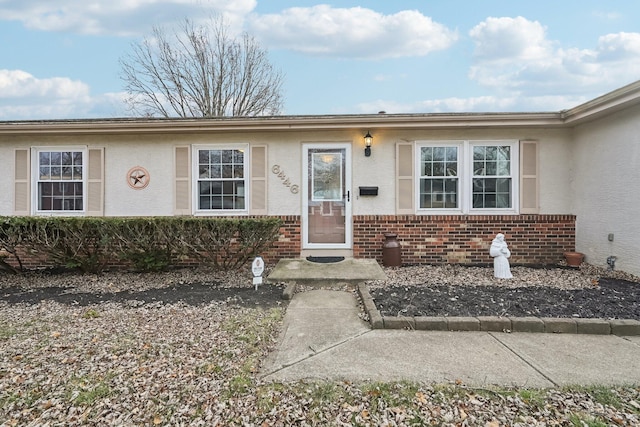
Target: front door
{"type": "Point", "coordinates": [327, 196]}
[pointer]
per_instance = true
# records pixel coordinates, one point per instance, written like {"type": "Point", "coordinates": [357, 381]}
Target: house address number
{"type": "Point", "coordinates": [277, 170]}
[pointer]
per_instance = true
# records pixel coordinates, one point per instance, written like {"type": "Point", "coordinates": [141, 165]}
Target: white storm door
{"type": "Point", "coordinates": [326, 212]}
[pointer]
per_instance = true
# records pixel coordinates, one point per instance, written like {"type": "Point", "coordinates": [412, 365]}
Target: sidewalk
{"type": "Point", "coordinates": [324, 338]}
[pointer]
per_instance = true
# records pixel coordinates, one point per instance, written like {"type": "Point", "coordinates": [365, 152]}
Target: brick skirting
{"type": "Point", "coordinates": [465, 239]}
{"type": "Point", "coordinates": [437, 239]}
{"type": "Point", "coordinates": [459, 239]}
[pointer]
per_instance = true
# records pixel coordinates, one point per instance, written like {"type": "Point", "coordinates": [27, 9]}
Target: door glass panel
{"type": "Point", "coordinates": [326, 195]}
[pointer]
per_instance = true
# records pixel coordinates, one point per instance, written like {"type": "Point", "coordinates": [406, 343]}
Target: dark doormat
{"type": "Point", "coordinates": [325, 259]}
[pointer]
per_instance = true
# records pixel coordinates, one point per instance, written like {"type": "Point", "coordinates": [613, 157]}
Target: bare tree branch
{"type": "Point", "coordinates": [201, 71]}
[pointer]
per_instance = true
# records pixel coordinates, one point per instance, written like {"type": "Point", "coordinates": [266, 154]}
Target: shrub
{"type": "Point", "coordinates": [146, 243]}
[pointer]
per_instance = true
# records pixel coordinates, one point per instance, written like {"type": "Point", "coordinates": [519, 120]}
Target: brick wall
{"type": "Point", "coordinates": [432, 239]}
{"type": "Point", "coordinates": [289, 243]}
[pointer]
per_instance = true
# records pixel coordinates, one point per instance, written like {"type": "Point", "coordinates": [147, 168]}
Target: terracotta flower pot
{"type": "Point", "coordinates": [574, 259]}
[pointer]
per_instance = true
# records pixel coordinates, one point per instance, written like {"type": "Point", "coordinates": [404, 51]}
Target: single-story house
{"type": "Point", "coordinates": [445, 183]}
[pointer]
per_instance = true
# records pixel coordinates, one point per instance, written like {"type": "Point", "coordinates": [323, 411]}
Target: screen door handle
{"type": "Point", "coordinates": [348, 196]}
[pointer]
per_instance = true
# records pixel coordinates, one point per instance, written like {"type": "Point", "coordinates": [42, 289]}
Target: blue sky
{"type": "Point", "coordinates": [59, 59]}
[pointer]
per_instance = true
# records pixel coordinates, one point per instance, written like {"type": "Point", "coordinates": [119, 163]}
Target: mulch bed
{"type": "Point", "coordinates": [610, 299]}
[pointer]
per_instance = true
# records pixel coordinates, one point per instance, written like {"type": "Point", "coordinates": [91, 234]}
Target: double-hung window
{"type": "Point", "coordinates": [221, 182]}
{"type": "Point", "coordinates": [60, 180]}
{"type": "Point", "coordinates": [492, 179]}
{"type": "Point", "coordinates": [439, 178]}
{"type": "Point", "coordinates": [461, 177]}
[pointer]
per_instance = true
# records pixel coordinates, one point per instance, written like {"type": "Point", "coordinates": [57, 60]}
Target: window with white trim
{"type": "Point", "coordinates": [467, 177]}
{"type": "Point", "coordinates": [492, 178]}
{"type": "Point", "coordinates": [221, 182]}
{"type": "Point", "coordinates": [439, 180]}
{"type": "Point", "coordinates": [60, 180]}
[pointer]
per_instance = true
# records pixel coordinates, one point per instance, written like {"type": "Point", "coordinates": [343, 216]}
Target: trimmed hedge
{"type": "Point", "coordinates": [90, 244]}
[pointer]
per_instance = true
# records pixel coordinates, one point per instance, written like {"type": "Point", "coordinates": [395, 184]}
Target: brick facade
{"type": "Point", "coordinates": [436, 239]}
{"type": "Point", "coordinates": [465, 239]}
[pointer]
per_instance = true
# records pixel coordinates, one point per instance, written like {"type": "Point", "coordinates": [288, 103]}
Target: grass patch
{"type": "Point", "coordinates": [85, 390]}
{"type": "Point", "coordinates": [580, 420]}
{"type": "Point", "coordinates": [7, 331]}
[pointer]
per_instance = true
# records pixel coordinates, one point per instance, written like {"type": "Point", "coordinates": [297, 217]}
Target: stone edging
{"type": "Point", "coordinates": [498, 324]}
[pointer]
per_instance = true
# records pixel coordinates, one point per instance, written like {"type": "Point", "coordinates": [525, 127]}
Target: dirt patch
{"type": "Point", "coordinates": [609, 299]}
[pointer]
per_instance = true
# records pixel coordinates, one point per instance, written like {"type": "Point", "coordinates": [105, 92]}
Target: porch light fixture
{"type": "Point", "coordinates": [368, 139]}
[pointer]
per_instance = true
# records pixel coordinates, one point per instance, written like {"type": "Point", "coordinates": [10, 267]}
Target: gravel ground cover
{"type": "Point", "coordinates": [455, 290]}
{"type": "Point", "coordinates": [185, 348]}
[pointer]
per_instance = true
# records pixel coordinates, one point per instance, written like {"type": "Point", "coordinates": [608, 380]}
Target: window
{"type": "Point", "coordinates": [60, 182]}
{"type": "Point", "coordinates": [467, 176]}
{"type": "Point", "coordinates": [221, 180]}
{"type": "Point", "coordinates": [439, 177]}
{"type": "Point", "coordinates": [492, 177]}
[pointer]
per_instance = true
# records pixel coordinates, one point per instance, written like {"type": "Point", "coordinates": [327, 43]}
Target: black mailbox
{"type": "Point", "coordinates": [368, 191]}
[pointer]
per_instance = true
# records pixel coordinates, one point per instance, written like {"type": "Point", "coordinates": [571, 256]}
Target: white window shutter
{"type": "Point", "coordinates": [529, 177]}
{"type": "Point", "coordinates": [182, 190]}
{"type": "Point", "coordinates": [258, 188]}
{"type": "Point", "coordinates": [21, 183]}
{"type": "Point", "coordinates": [404, 179]}
{"type": "Point", "coordinates": [95, 182]}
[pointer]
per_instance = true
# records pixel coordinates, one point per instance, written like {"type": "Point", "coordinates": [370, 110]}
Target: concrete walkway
{"type": "Point", "coordinates": [324, 338]}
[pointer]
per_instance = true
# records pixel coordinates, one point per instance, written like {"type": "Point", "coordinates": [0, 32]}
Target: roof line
{"type": "Point", "coordinates": [598, 107]}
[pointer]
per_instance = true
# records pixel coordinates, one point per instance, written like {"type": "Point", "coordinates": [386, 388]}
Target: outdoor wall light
{"type": "Point", "coordinates": [368, 139]}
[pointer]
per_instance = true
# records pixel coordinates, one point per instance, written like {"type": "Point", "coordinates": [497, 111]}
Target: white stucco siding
{"type": "Point", "coordinates": [607, 190]}
{"type": "Point", "coordinates": [284, 174]}
{"type": "Point", "coordinates": [377, 170]}
{"type": "Point", "coordinates": [152, 153]}
{"type": "Point", "coordinates": [555, 157]}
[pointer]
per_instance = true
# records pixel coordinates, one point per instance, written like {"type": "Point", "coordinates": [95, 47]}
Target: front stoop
{"type": "Point", "coordinates": [620, 327]}
{"type": "Point", "coordinates": [349, 272]}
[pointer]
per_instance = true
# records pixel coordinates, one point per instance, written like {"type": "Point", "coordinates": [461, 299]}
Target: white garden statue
{"type": "Point", "coordinates": [500, 253]}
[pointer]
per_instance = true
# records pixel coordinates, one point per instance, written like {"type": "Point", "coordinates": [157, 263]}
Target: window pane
{"type": "Point", "coordinates": [504, 168]}
{"type": "Point", "coordinates": [492, 169]}
{"type": "Point", "coordinates": [478, 168]}
{"type": "Point", "coordinates": [238, 157]}
{"type": "Point", "coordinates": [452, 154]}
{"type": "Point", "coordinates": [56, 173]}
{"type": "Point", "coordinates": [438, 154]}
{"type": "Point", "coordinates": [215, 171]}
{"type": "Point", "coordinates": [66, 173]}
{"type": "Point", "coordinates": [204, 188]}
{"type": "Point", "coordinates": [67, 158]}
{"type": "Point", "coordinates": [45, 172]}
{"type": "Point", "coordinates": [491, 153]}
{"type": "Point", "coordinates": [452, 169]}
{"type": "Point", "coordinates": [504, 153]}
{"type": "Point", "coordinates": [227, 171]}
{"type": "Point", "coordinates": [478, 153]}
{"type": "Point", "coordinates": [427, 154]}
{"type": "Point", "coordinates": [56, 158]}
{"type": "Point", "coordinates": [203, 157]}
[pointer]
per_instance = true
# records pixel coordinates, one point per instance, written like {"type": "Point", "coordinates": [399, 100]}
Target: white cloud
{"type": "Point", "coordinates": [352, 33]}
{"type": "Point", "coordinates": [514, 57]}
{"type": "Point", "coordinates": [120, 17]}
{"type": "Point", "coordinates": [25, 97]}
{"type": "Point", "coordinates": [474, 104]}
